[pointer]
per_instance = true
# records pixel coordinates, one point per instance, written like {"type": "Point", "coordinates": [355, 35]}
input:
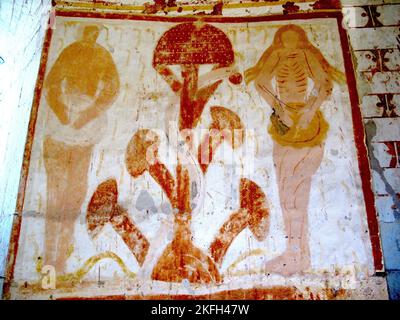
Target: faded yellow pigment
{"type": "Point", "coordinates": [298, 137]}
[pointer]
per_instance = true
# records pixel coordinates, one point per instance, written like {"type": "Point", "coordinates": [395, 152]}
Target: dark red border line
{"type": "Point", "coordinates": [356, 115]}
{"type": "Point", "coordinates": [206, 18]}
{"type": "Point", "coordinates": [16, 226]}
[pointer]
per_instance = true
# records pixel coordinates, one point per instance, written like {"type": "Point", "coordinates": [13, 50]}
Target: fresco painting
{"type": "Point", "coordinates": [194, 159]}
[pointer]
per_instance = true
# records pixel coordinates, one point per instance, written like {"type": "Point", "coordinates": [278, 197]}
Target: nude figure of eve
{"type": "Point", "coordinates": [298, 130]}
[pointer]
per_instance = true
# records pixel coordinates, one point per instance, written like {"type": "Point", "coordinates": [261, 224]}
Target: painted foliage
{"type": "Point", "coordinates": [195, 158]}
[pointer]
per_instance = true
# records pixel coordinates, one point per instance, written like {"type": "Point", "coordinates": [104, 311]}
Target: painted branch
{"type": "Point", "coordinates": [253, 199]}
{"type": "Point", "coordinates": [253, 213]}
{"type": "Point", "coordinates": [142, 156]}
{"type": "Point", "coordinates": [227, 233]}
{"type": "Point", "coordinates": [163, 177]}
{"type": "Point", "coordinates": [131, 235]}
{"type": "Point", "coordinates": [103, 208]}
{"type": "Point", "coordinates": [226, 126]}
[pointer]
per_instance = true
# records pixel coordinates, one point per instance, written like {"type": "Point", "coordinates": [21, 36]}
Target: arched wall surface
{"type": "Point", "coordinates": [22, 29]}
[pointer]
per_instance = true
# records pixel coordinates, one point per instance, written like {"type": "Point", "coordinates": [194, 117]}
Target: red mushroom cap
{"type": "Point", "coordinates": [193, 43]}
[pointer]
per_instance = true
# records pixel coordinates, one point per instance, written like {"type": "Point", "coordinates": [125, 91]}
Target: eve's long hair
{"type": "Point", "coordinates": [332, 73]}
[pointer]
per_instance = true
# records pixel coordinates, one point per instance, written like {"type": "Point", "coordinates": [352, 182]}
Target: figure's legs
{"type": "Point", "coordinates": [295, 168]}
{"type": "Point", "coordinates": [75, 193]}
{"type": "Point", "coordinates": [55, 156]}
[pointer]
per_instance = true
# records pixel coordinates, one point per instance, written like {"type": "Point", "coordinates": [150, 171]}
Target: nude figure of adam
{"type": "Point", "coordinates": [81, 85]}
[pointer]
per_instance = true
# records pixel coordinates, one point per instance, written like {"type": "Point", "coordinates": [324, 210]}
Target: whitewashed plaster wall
{"type": "Point", "coordinates": [22, 28]}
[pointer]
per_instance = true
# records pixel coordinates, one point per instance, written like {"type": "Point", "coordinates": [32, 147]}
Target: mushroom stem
{"type": "Point", "coordinates": [193, 99]}
{"type": "Point", "coordinates": [183, 190]}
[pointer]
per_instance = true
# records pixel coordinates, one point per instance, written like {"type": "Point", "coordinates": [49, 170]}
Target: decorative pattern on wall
{"type": "Point", "coordinates": [374, 30]}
